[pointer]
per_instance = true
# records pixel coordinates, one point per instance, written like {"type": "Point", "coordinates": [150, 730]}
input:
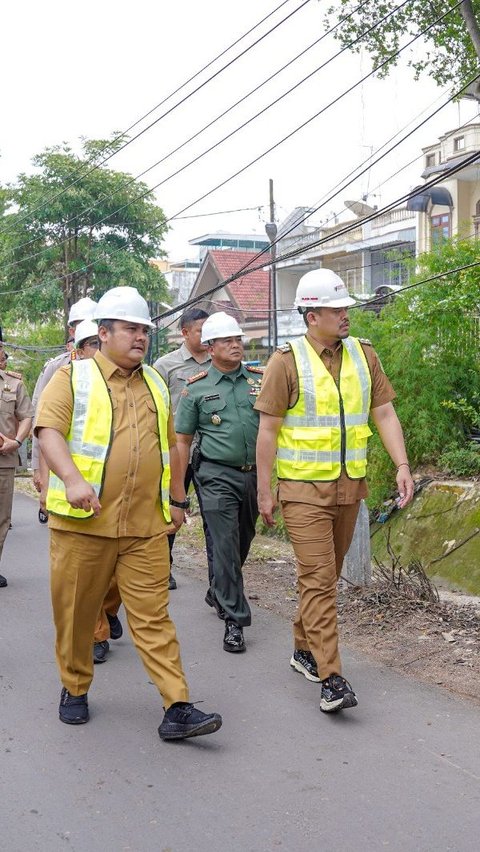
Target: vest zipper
{"type": "Point", "coordinates": [343, 436]}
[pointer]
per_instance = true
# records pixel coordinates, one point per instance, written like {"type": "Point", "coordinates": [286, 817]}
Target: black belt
{"type": "Point", "coordinates": [245, 468]}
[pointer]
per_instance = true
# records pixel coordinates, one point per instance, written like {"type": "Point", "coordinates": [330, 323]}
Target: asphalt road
{"type": "Point", "coordinates": [400, 772]}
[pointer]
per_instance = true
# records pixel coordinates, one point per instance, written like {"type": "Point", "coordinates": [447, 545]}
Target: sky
{"type": "Point", "coordinates": [91, 69]}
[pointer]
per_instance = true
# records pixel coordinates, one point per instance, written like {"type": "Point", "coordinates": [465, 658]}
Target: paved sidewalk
{"type": "Point", "coordinates": [400, 772]}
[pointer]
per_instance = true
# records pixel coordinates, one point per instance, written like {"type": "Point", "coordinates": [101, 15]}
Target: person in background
{"type": "Point", "coordinates": [16, 413]}
{"type": "Point", "coordinates": [115, 491]}
{"type": "Point", "coordinates": [176, 368]}
{"type": "Point", "coordinates": [108, 625]}
{"type": "Point", "coordinates": [81, 310]}
{"type": "Point", "coordinates": [317, 395]}
{"type": "Point", "coordinates": [217, 404]}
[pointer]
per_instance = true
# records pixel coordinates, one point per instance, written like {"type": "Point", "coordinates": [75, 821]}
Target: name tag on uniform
{"type": "Point", "coordinates": [212, 396]}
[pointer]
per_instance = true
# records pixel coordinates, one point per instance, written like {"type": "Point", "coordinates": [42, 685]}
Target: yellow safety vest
{"type": "Point", "coordinates": [328, 425]}
{"type": "Point", "coordinates": [91, 433]}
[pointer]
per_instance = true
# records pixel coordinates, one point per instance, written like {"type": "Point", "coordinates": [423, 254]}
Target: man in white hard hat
{"type": "Point", "coordinates": [176, 367]}
{"type": "Point", "coordinates": [108, 625]}
{"type": "Point", "coordinates": [79, 311]}
{"type": "Point", "coordinates": [317, 395]}
{"type": "Point", "coordinates": [115, 491]}
{"type": "Point", "coordinates": [217, 404]}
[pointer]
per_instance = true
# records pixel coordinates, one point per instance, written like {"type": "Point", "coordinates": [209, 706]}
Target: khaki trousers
{"type": "Point", "coordinates": [321, 536]}
{"type": "Point", "coordinates": [7, 480]}
{"type": "Point", "coordinates": [82, 568]}
{"type": "Point", "coordinates": [111, 604]}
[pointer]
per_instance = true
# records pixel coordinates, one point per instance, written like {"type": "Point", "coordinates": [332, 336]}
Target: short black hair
{"type": "Point", "coordinates": [192, 315]}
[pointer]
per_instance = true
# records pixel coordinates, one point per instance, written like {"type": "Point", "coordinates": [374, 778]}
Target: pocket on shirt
{"type": "Point", "coordinates": [211, 406]}
{"type": "Point", "coordinates": [152, 419]}
{"type": "Point", "coordinates": [7, 401]}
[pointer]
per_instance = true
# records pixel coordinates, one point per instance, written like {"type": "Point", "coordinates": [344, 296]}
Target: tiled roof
{"type": "Point", "coordinates": [250, 292]}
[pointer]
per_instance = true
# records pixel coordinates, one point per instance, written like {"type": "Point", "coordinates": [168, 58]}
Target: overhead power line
{"type": "Point", "coordinates": [91, 168]}
{"type": "Point", "coordinates": [292, 133]}
{"type": "Point", "coordinates": [144, 193]}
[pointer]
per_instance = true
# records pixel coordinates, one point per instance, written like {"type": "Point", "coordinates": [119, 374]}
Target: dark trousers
{"type": "Point", "coordinates": [229, 499]}
{"type": "Point", "coordinates": [190, 478]}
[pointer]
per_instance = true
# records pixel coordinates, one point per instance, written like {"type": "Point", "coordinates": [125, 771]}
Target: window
{"type": "Point", "coordinates": [430, 160]}
{"type": "Point", "coordinates": [459, 143]}
{"type": "Point", "coordinates": [440, 229]}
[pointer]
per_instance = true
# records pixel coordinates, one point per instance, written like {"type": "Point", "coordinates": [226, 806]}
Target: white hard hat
{"type": "Point", "coordinates": [86, 328]}
{"type": "Point", "coordinates": [220, 325]}
{"type": "Point", "coordinates": [81, 310]}
{"type": "Point", "coordinates": [123, 303]}
{"type": "Point", "coordinates": [322, 288]}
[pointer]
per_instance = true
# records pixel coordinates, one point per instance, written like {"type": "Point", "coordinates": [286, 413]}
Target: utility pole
{"type": "Point", "coordinates": [271, 230]}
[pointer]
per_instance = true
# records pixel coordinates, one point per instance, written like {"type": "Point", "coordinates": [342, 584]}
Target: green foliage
{"type": "Point", "coordinates": [428, 342]}
{"type": "Point", "coordinates": [58, 244]}
{"type": "Point", "coordinates": [446, 53]}
{"type": "Point", "coordinates": [29, 362]}
{"type": "Point", "coordinates": [460, 461]}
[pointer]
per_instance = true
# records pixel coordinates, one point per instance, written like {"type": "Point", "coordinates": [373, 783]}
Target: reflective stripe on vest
{"type": "Point", "coordinates": [319, 434]}
{"type": "Point", "coordinates": [90, 435]}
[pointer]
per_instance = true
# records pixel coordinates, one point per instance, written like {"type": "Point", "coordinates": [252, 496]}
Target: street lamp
{"type": "Point", "coordinates": [271, 230]}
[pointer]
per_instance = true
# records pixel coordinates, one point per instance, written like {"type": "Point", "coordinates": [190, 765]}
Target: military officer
{"type": "Point", "coordinates": [218, 405]}
{"type": "Point", "coordinates": [16, 412]}
{"type": "Point", "coordinates": [175, 368]}
{"type": "Point", "coordinates": [317, 395]}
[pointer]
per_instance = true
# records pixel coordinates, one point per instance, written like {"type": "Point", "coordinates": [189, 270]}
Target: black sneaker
{"type": "Point", "coordinates": [211, 600]}
{"type": "Point", "coordinates": [183, 720]}
{"type": "Point", "coordinates": [304, 662]}
{"type": "Point", "coordinates": [3, 581]}
{"type": "Point", "coordinates": [73, 709]}
{"type": "Point", "coordinates": [233, 640]}
{"type": "Point", "coordinates": [100, 651]}
{"type": "Point", "coordinates": [337, 694]}
{"type": "Point", "coordinates": [116, 629]}
{"type": "Point", "coordinates": [172, 583]}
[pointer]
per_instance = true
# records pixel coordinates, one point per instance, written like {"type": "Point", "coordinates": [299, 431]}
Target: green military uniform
{"type": "Point", "coordinates": [219, 407]}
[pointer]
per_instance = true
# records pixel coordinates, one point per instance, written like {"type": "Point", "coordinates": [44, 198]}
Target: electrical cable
{"type": "Point", "coordinates": [171, 109]}
{"type": "Point", "coordinates": [288, 136]}
{"type": "Point", "coordinates": [208, 150]}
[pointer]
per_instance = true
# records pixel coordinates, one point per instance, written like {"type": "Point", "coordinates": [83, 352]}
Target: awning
{"type": "Point", "coordinates": [421, 197]}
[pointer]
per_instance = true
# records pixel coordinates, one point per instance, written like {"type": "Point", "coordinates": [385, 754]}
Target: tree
{"type": "Point", "coordinates": [451, 49]}
{"type": "Point", "coordinates": [63, 238]}
{"type": "Point", "coordinates": [428, 341]}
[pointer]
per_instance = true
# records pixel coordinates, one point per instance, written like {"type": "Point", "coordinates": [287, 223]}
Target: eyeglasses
{"type": "Point", "coordinates": [93, 342]}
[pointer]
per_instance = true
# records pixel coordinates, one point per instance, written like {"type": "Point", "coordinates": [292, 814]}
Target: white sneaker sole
{"type": "Point", "coordinates": [348, 700]}
{"type": "Point", "coordinates": [302, 670]}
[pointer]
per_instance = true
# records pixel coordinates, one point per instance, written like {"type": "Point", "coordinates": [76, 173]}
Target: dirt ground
{"type": "Point", "coordinates": [436, 641]}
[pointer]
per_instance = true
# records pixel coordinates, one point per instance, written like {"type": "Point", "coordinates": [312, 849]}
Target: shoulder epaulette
{"type": "Point", "coordinates": [251, 369]}
{"type": "Point", "coordinates": [365, 340]}
{"type": "Point", "coordinates": [285, 347]}
{"type": "Point", "coordinates": [197, 376]}
{"type": "Point", "coordinates": [14, 375]}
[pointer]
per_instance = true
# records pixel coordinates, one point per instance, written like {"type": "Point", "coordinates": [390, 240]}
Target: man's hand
{"type": "Point", "coordinates": [267, 504]}
{"type": "Point", "coordinates": [37, 480]}
{"type": "Point", "coordinates": [81, 495]}
{"type": "Point", "coordinates": [178, 517]}
{"type": "Point", "coordinates": [405, 485]}
{"type": "Point", "coordinates": [9, 445]}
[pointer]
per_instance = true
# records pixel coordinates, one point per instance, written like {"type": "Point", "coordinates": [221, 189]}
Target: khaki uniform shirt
{"type": "Point", "coordinates": [219, 406]}
{"type": "Point", "coordinates": [280, 392]}
{"type": "Point", "coordinates": [130, 496]}
{"type": "Point", "coordinates": [15, 405]}
{"type": "Point", "coordinates": [178, 366]}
